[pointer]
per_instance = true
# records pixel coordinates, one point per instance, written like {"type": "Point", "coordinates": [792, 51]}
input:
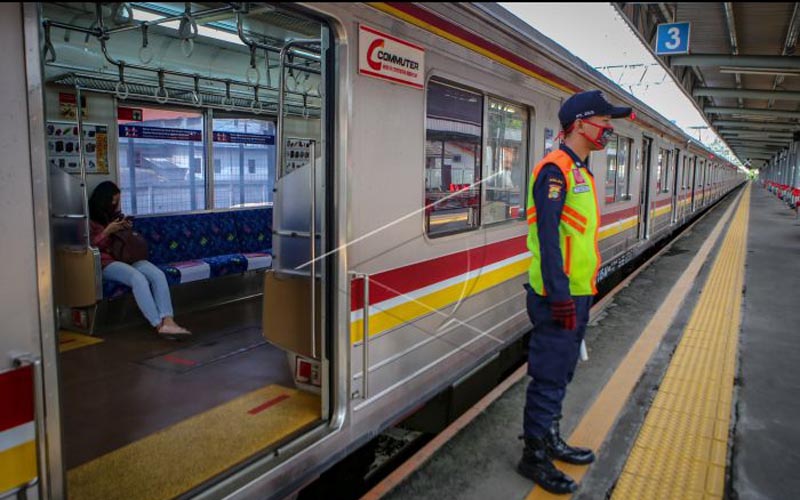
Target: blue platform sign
{"type": "Point", "coordinates": [673, 38]}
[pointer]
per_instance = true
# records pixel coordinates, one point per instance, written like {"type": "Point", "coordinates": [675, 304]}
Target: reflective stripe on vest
{"type": "Point", "coordinates": [577, 230]}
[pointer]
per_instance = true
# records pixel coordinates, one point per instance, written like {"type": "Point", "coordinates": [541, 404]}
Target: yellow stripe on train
{"type": "Point", "coordinates": [383, 320]}
{"type": "Point", "coordinates": [17, 466]}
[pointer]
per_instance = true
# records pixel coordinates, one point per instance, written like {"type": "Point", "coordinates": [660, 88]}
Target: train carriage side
{"type": "Point", "coordinates": [407, 195]}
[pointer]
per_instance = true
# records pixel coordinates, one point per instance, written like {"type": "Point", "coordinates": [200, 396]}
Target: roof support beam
{"type": "Point", "coordinates": [788, 45]}
{"type": "Point", "coordinates": [731, 22]}
{"type": "Point", "coordinates": [737, 137]}
{"type": "Point", "coordinates": [763, 61]}
{"type": "Point", "coordinates": [770, 133]}
{"type": "Point", "coordinates": [756, 125]}
{"type": "Point", "coordinates": [722, 110]}
{"type": "Point", "coordinates": [779, 95]}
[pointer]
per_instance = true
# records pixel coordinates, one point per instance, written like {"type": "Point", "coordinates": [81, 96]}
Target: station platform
{"type": "Point", "coordinates": [687, 392]}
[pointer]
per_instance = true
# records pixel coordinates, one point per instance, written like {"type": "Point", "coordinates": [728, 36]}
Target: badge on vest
{"type": "Point", "coordinates": [576, 172]}
{"type": "Point", "coordinates": [583, 188]}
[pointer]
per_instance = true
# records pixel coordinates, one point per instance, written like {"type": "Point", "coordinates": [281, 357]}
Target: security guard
{"type": "Point", "coordinates": [563, 219]}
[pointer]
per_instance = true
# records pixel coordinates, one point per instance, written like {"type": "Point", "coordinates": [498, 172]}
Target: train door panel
{"type": "Point", "coordinates": [693, 194]}
{"type": "Point", "coordinates": [645, 189]}
{"type": "Point", "coordinates": [675, 186]}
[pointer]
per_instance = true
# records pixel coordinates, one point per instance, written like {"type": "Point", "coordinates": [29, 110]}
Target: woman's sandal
{"type": "Point", "coordinates": [173, 331]}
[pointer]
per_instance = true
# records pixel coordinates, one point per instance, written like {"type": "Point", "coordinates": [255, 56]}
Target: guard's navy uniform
{"type": "Point", "coordinates": [553, 352]}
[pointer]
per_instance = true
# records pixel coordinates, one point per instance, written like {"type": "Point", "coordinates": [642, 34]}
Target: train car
{"type": "Point", "coordinates": [336, 195]}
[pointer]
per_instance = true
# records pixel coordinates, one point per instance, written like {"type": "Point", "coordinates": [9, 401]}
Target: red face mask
{"type": "Point", "coordinates": [602, 137]}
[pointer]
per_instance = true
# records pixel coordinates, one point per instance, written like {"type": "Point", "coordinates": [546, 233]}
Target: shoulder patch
{"type": "Point", "coordinates": [554, 189]}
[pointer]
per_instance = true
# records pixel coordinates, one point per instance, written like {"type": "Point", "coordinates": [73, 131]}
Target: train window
{"type": "Point", "coordinates": [506, 151]}
{"type": "Point", "coordinates": [618, 159]}
{"type": "Point", "coordinates": [611, 171]}
{"type": "Point", "coordinates": [245, 148]}
{"type": "Point", "coordinates": [663, 169]}
{"type": "Point", "coordinates": [162, 162]}
{"type": "Point", "coordinates": [684, 172]}
{"type": "Point", "coordinates": [623, 191]}
{"type": "Point", "coordinates": [453, 132]}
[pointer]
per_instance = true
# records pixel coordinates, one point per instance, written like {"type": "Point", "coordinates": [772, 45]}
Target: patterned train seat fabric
{"type": "Point", "coordinates": [196, 247]}
{"type": "Point", "coordinates": [254, 228]}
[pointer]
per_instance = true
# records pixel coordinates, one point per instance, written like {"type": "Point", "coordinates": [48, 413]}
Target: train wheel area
{"type": "Point", "coordinates": [687, 373]}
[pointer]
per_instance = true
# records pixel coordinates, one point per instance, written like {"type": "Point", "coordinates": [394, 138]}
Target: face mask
{"type": "Point", "coordinates": [602, 137]}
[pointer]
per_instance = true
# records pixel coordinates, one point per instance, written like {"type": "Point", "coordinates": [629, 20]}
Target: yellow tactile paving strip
{"type": "Point", "coordinates": [176, 459]}
{"type": "Point", "coordinates": [681, 450]}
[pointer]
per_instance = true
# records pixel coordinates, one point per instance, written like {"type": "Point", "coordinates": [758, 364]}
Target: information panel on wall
{"type": "Point", "coordinates": [63, 149]}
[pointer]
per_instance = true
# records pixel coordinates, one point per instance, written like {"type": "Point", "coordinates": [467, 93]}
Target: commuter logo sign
{"type": "Point", "coordinates": [388, 58]}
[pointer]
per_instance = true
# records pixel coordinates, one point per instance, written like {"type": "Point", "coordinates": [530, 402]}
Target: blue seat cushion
{"type": "Point", "coordinates": [254, 228]}
{"type": "Point", "coordinates": [260, 260]}
{"type": "Point", "coordinates": [223, 265]}
{"type": "Point", "coordinates": [186, 271]}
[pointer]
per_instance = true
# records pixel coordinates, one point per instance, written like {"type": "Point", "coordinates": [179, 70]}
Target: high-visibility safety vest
{"type": "Point", "coordinates": [577, 231]}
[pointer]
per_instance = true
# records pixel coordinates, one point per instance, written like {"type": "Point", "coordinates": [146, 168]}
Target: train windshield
{"type": "Point", "coordinates": [187, 155]}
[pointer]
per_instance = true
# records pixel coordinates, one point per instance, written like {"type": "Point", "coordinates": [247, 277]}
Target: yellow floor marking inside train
{"type": "Point", "coordinates": [681, 450]}
{"type": "Point", "coordinates": [597, 422]}
{"type": "Point", "coordinates": [178, 458]}
{"type": "Point", "coordinates": [68, 341]}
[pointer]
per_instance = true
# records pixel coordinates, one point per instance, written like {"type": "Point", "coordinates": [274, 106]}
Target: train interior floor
{"type": "Point", "coordinates": [706, 411]}
{"type": "Point", "coordinates": [147, 417]}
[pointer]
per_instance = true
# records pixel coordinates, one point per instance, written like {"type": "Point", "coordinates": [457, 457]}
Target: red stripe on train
{"type": "Point", "coordinates": [16, 397]}
{"type": "Point", "coordinates": [618, 215]}
{"type": "Point", "coordinates": [393, 283]}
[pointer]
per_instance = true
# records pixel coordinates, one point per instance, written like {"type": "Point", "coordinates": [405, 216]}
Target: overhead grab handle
{"type": "Point", "coordinates": [161, 94]}
{"type": "Point", "coordinates": [122, 91]}
{"type": "Point", "coordinates": [258, 106]}
{"type": "Point", "coordinates": [187, 31]}
{"type": "Point", "coordinates": [145, 53]}
{"type": "Point", "coordinates": [49, 50]}
{"type": "Point", "coordinates": [227, 102]}
{"type": "Point", "coordinates": [123, 14]}
{"type": "Point", "coordinates": [197, 98]}
{"type": "Point", "coordinates": [253, 76]}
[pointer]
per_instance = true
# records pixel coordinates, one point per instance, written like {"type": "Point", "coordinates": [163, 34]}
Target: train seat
{"type": "Point", "coordinates": [196, 247]}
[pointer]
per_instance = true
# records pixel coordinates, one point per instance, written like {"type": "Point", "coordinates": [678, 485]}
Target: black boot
{"type": "Point", "coordinates": [537, 466]}
{"type": "Point", "coordinates": [558, 449]}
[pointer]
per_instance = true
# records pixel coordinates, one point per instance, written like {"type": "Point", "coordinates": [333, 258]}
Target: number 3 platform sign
{"type": "Point", "coordinates": [673, 38]}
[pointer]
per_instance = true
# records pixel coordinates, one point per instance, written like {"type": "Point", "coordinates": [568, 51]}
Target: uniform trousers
{"type": "Point", "coordinates": [552, 356]}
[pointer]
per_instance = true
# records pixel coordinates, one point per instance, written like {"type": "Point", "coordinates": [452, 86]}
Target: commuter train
{"type": "Point", "coordinates": [336, 195]}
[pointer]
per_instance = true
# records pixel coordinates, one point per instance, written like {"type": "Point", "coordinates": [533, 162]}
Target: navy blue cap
{"type": "Point", "coordinates": [586, 104]}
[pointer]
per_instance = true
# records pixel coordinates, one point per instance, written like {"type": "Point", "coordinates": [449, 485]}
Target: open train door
{"type": "Point", "coordinates": [295, 290]}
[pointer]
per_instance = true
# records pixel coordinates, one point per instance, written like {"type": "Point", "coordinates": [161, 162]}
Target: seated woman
{"type": "Point", "coordinates": [150, 288]}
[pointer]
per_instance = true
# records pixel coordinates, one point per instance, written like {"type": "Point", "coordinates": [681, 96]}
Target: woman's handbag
{"type": "Point", "coordinates": [128, 246]}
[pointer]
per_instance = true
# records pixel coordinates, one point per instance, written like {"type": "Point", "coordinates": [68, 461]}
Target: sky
{"type": "Point", "coordinates": [597, 34]}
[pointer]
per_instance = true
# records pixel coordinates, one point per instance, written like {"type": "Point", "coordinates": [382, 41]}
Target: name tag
{"type": "Point", "coordinates": [581, 189]}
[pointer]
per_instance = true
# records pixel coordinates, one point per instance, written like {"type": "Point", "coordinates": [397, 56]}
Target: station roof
{"type": "Point", "coordinates": [741, 70]}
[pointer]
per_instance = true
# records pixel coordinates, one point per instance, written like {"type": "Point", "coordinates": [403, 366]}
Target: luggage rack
{"type": "Point", "coordinates": [207, 96]}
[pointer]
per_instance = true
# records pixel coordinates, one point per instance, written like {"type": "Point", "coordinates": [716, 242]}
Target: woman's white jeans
{"type": "Point", "coordinates": [149, 284]}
